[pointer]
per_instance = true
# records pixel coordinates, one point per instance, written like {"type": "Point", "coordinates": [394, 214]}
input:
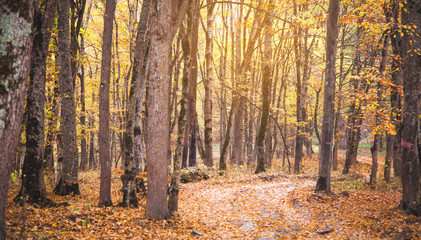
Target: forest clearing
{"type": "Point", "coordinates": [213, 119]}
{"type": "Point", "coordinates": [239, 205]}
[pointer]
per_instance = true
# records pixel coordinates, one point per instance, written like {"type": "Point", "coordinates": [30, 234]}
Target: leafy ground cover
{"type": "Point", "coordinates": [237, 205]}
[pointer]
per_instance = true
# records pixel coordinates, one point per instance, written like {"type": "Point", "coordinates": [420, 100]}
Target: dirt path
{"type": "Point", "coordinates": [257, 208]}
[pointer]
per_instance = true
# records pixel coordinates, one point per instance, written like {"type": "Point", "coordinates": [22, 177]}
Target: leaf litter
{"type": "Point", "coordinates": [237, 205]}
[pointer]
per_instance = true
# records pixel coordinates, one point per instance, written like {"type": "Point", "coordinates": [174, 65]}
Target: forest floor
{"type": "Point", "coordinates": [237, 205]}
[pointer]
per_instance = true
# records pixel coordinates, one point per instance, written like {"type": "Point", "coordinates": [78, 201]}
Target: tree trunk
{"type": "Point", "coordinates": [266, 83]}
{"type": "Point", "coordinates": [189, 150]}
{"type": "Point", "coordinates": [52, 118]}
{"type": "Point", "coordinates": [354, 117]}
{"type": "Point", "coordinates": [339, 105]}
{"type": "Point", "coordinates": [411, 69]}
{"type": "Point", "coordinates": [208, 161]}
{"type": "Point", "coordinates": [181, 134]}
{"type": "Point", "coordinates": [33, 186]}
{"type": "Point", "coordinates": [104, 107]}
{"type": "Point", "coordinates": [395, 96]}
{"type": "Point", "coordinates": [15, 34]}
{"type": "Point", "coordinates": [51, 129]}
{"type": "Point", "coordinates": [162, 29]}
{"type": "Point", "coordinates": [299, 139]}
{"type": "Point", "coordinates": [68, 182]}
{"type": "Point", "coordinates": [323, 182]}
{"type": "Point", "coordinates": [375, 149]}
{"type": "Point", "coordinates": [132, 135]}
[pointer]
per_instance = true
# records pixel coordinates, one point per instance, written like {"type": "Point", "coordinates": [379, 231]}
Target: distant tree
{"type": "Point", "coordinates": [68, 180]}
{"type": "Point", "coordinates": [323, 182]}
{"type": "Point", "coordinates": [411, 69]}
{"type": "Point", "coordinates": [104, 106]}
{"type": "Point", "coordinates": [208, 161]}
{"type": "Point", "coordinates": [16, 18]}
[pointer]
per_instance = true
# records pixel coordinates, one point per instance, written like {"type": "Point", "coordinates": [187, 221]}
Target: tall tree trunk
{"type": "Point", "coordinates": [411, 69]}
{"type": "Point", "coordinates": [83, 144]}
{"type": "Point", "coordinates": [157, 146]}
{"type": "Point", "coordinates": [395, 96]}
{"type": "Point", "coordinates": [323, 182]}
{"type": "Point", "coordinates": [375, 149]}
{"type": "Point", "coordinates": [181, 134]}
{"type": "Point", "coordinates": [208, 161]}
{"type": "Point", "coordinates": [52, 118]}
{"type": "Point", "coordinates": [241, 69]}
{"type": "Point", "coordinates": [132, 150]}
{"type": "Point", "coordinates": [68, 182]}
{"type": "Point", "coordinates": [33, 186]}
{"type": "Point", "coordinates": [15, 34]}
{"type": "Point", "coordinates": [52, 128]}
{"type": "Point", "coordinates": [237, 138]}
{"type": "Point", "coordinates": [162, 30]}
{"type": "Point", "coordinates": [266, 83]}
{"type": "Point", "coordinates": [189, 150]}
{"type": "Point", "coordinates": [353, 132]}
{"type": "Point", "coordinates": [299, 139]}
{"type": "Point", "coordinates": [339, 105]}
{"type": "Point", "coordinates": [104, 106]}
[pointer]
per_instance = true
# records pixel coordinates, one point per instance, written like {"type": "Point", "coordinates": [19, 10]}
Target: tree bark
{"type": "Point", "coordinates": [162, 31]}
{"type": "Point", "coordinates": [181, 134]}
{"type": "Point", "coordinates": [299, 139]}
{"type": "Point", "coordinates": [411, 69]}
{"type": "Point", "coordinates": [266, 83]}
{"type": "Point", "coordinates": [208, 161]}
{"type": "Point", "coordinates": [375, 149]}
{"type": "Point", "coordinates": [104, 107]}
{"type": "Point", "coordinates": [68, 182]}
{"type": "Point", "coordinates": [33, 186]}
{"type": "Point", "coordinates": [132, 149]}
{"type": "Point", "coordinates": [15, 48]}
{"type": "Point", "coordinates": [323, 182]}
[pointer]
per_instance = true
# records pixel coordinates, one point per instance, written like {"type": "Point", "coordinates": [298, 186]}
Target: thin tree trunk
{"type": "Point", "coordinates": [299, 139]}
{"type": "Point", "coordinates": [266, 83]}
{"type": "Point", "coordinates": [175, 179]}
{"type": "Point", "coordinates": [375, 149]}
{"type": "Point", "coordinates": [323, 182]}
{"type": "Point", "coordinates": [208, 161]}
{"type": "Point", "coordinates": [339, 106]}
{"type": "Point", "coordinates": [104, 107]}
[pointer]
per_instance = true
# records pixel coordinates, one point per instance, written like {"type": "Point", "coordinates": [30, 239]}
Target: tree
{"type": "Point", "coordinates": [323, 182]}
{"type": "Point", "coordinates": [235, 115]}
{"type": "Point", "coordinates": [189, 47]}
{"type": "Point", "coordinates": [68, 180]}
{"type": "Point", "coordinates": [208, 85]}
{"type": "Point", "coordinates": [162, 30]}
{"type": "Point", "coordinates": [175, 180]}
{"type": "Point", "coordinates": [411, 69]}
{"type": "Point", "coordinates": [33, 185]}
{"type": "Point", "coordinates": [134, 111]}
{"type": "Point", "coordinates": [16, 18]}
{"type": "Point", "coordinates": [266, 83]}
{"type": "Point", "coordinates": [104, 106]}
